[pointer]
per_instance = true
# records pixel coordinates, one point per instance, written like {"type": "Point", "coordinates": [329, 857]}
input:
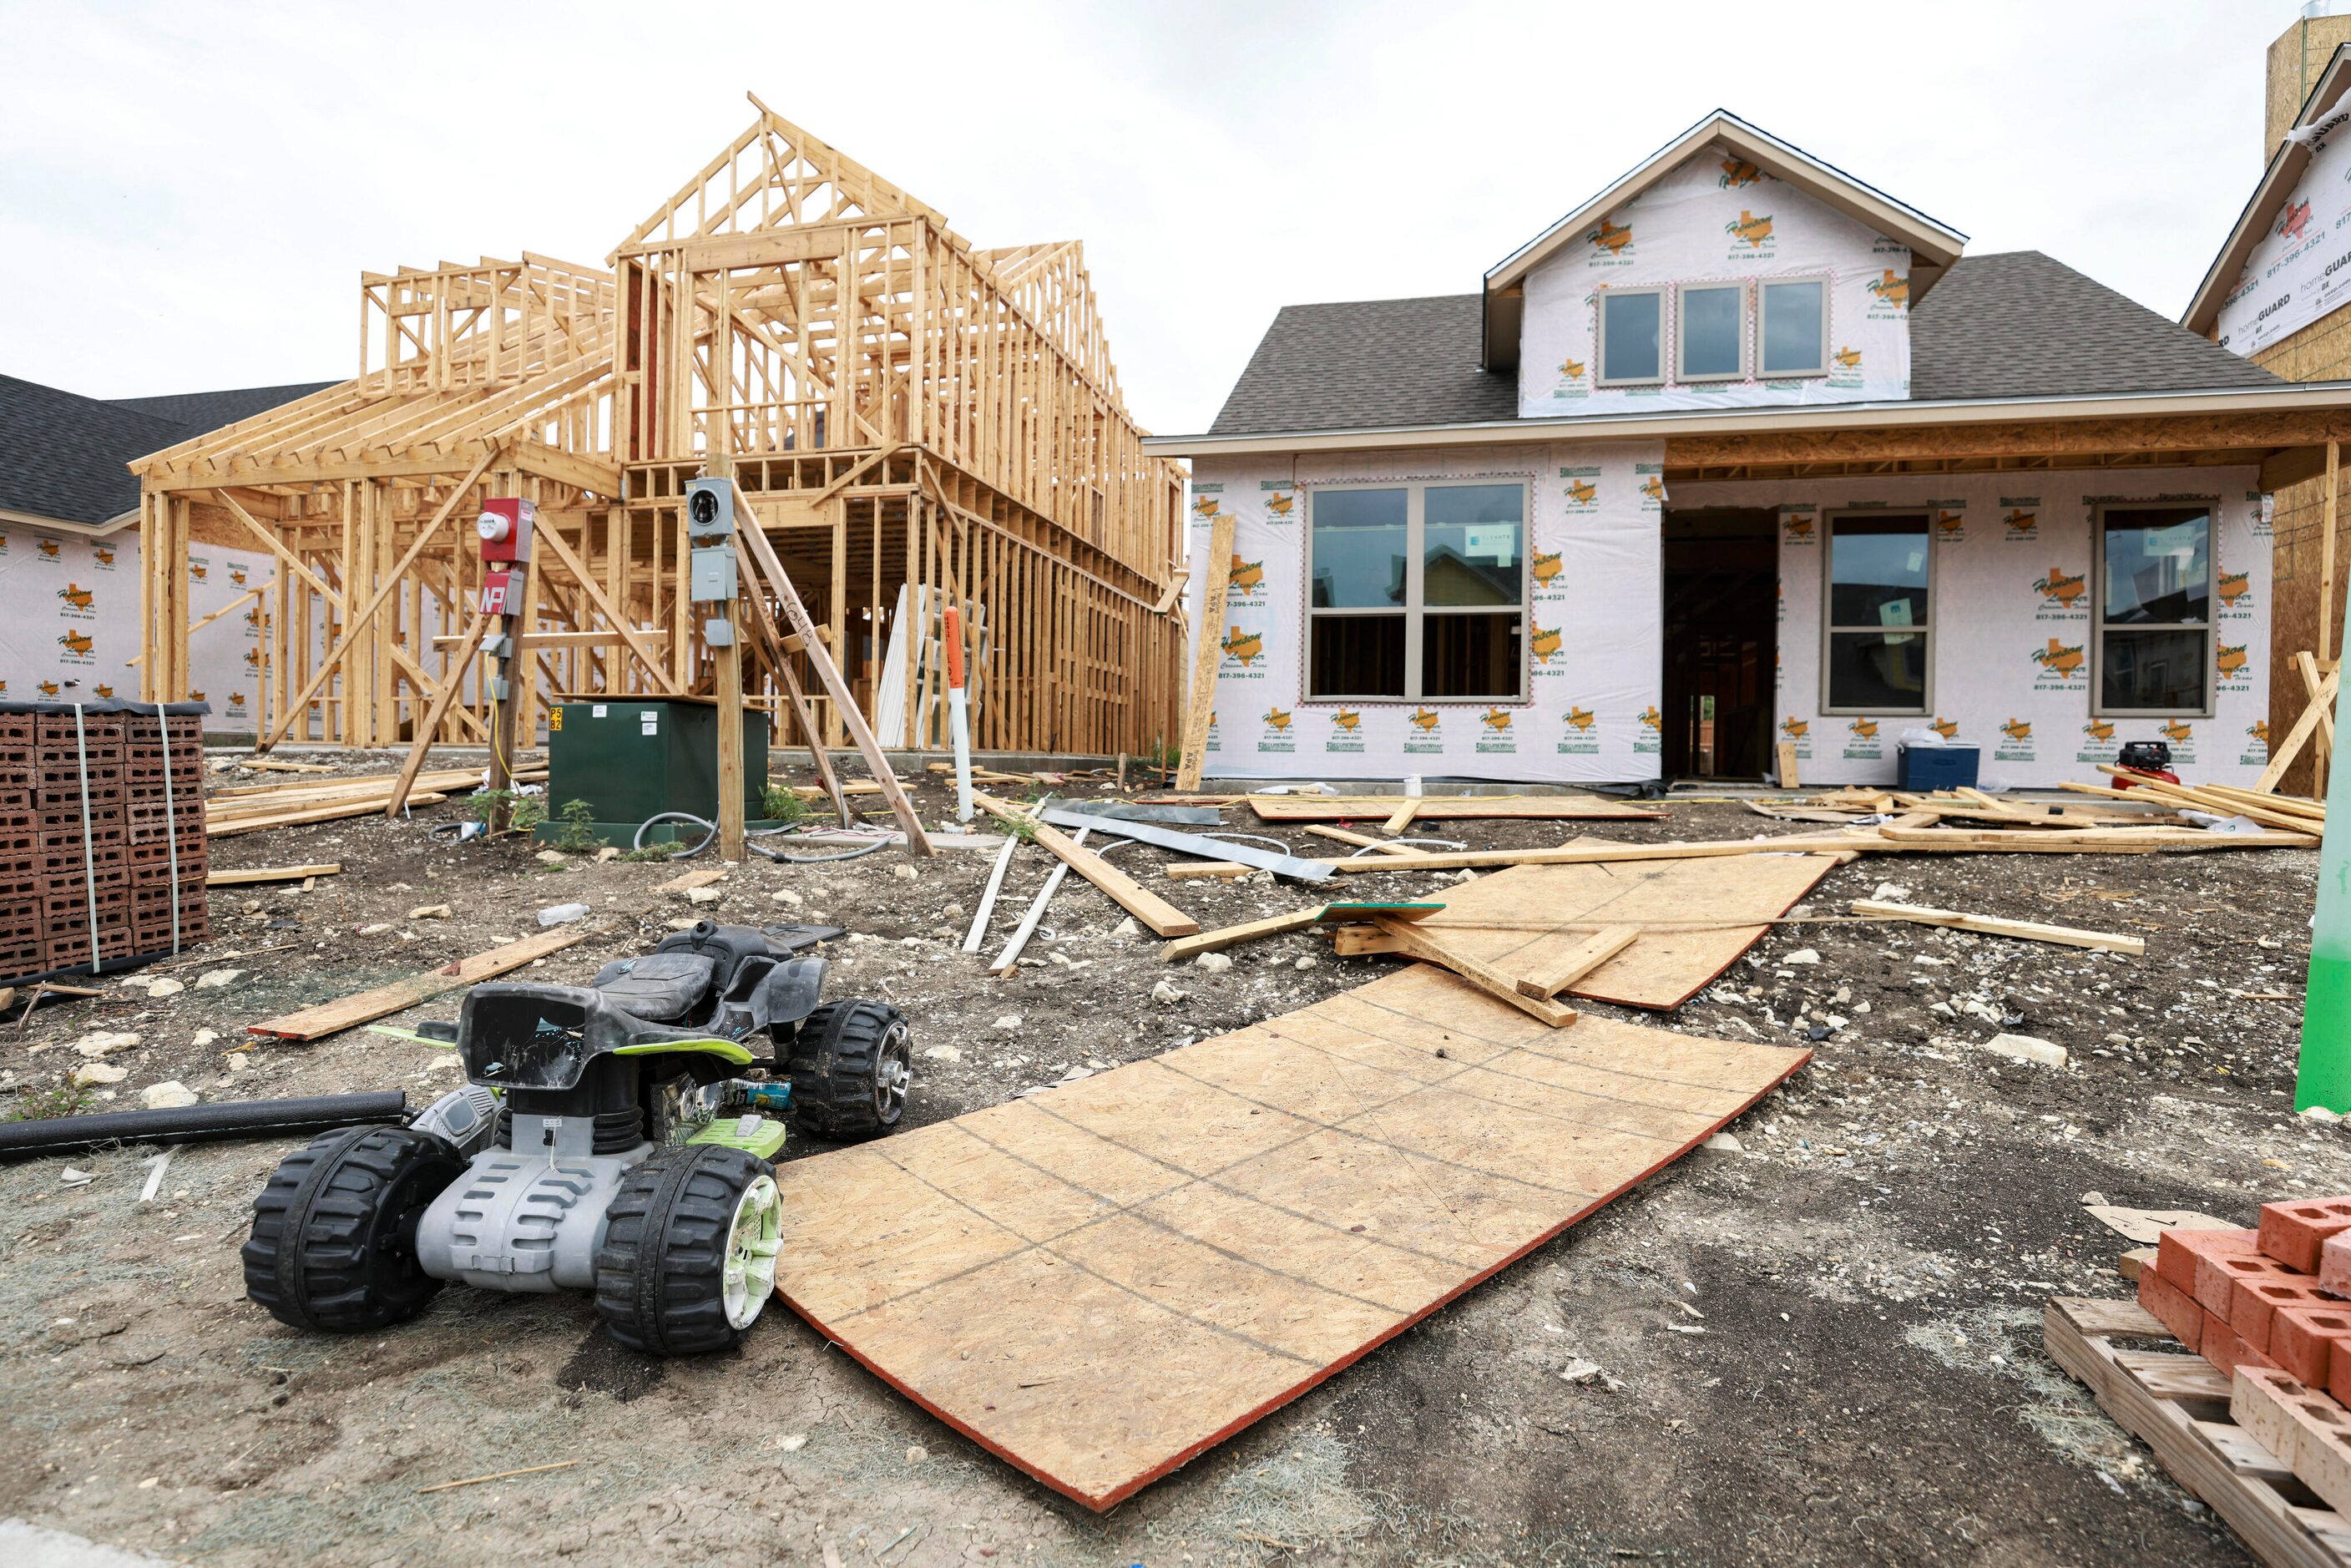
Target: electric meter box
{"type": "Point", "coordinates": [631, 761]}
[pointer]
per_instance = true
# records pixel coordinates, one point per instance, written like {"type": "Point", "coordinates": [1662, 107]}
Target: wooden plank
{"type": "Point", "coordinates": [2282, 759]}
{"type": "Point", "coordinates": [1414, 939]}
{"type": "Point", "coordinates": [1160, 1255]}
{"type": "Point", "coordinates": [270, 873]}
{"type": "Point", "coordinates": [1991, 926]}
{"type": "Point", "coordinates": [1787, 761]}
{"type": "Point", "coordinates": [844, 702]}
{"type": "Point", "coordinates": [1225, 937]}
{"type": "Point", "coordinates": [1402, 818]}
{"type": "Point", "coordinates": [1362, 841]}
{"type": "Point", "coordinates": [1448, 808]}
{"type": "Point", "coordinates": [453, 681]}
{"type": "Point", "coordinates": [1572, 966]}
{"type": "Point", "coordinates": [1200, 699]}
{"type": "Point", "coordinates": [1126, 891]}
{"type": "Point", "coordinates": [1526, 921]}
{"type": "Point", "coordinates": [1221, 871]}
{"type": "Point", "coordinates": [349, 1012]}
{"type": "Point", "coordinates": [1592, 852]}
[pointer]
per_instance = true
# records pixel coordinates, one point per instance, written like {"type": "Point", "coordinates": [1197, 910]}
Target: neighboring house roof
{"type": "Point", "coordinates": [1934, 246]}
{"type": "Point", "coordinates": [2321, 113]}
{"type": "Point", "coordinates": [65, 458]}
{"type": "Point", "coordinates": [209, 410]}
{"type": "Point", "coordinates": [2015, 325]}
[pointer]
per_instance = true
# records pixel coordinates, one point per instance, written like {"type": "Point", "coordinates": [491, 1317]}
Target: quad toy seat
{"type": "Point", "coordinates": [660, 987]}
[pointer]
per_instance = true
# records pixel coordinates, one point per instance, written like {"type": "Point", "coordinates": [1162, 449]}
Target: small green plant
{"type": "Point", "coordinates": [47, 1104]}
{"type": "Point", "coordinates": [576, 835]}
{"type": "Point", "coordinates": [1022, 828]}
{"type": "Point", "coordinates": [520, 813]}
{"type": "Point", "coordinates": [1164, 756]}
{"type": "Point", "coordinates": [782, 803]}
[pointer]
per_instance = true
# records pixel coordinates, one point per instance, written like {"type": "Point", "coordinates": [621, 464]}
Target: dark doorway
{"type": "Point", "coordinates": [1721, 641]}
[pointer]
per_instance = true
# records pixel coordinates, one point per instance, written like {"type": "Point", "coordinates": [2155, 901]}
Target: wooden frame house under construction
{"type": "Point", "coordinates": [917, 423]}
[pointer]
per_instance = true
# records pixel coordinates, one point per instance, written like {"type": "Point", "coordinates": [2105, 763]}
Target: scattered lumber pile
{"type": "Point", "coordinates": [249, 809]}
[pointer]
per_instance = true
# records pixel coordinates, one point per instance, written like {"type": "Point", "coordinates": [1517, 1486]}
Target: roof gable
{"type": "Point", "coordinates": [2322, 112]}
{"type": "Point", "coordinates": [1933, 245]}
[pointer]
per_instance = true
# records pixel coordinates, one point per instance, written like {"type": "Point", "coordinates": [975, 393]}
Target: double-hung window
{"type": "Point", "coordinates": [1417, 593]}
{"type": "Point", "coordinates": [1877, 628]}
{"type": "Point", "coordinates": [2154, 611]}
{"type": "Point", "coordinates": [1793, 326]}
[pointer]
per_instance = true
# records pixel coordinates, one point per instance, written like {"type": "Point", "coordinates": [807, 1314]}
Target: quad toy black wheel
{"type": "Point", "coordinates": [852, 1064]}
{"type": "Point", "coordinates": [689, 1253]}
{"type": "Point", "coordinates": [334, 1232]}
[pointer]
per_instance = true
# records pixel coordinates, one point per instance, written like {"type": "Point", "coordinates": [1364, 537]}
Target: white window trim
{"type": "Point", "coordinates": [1681, 314]}
{"type": "Point", "coordinates": [1412, 610]}
{"type": "Point", "coordinates": [1763, 287]}
{"type": "Point", "coordinates": [1829, 521]}
{"type": "Point", "coordinates": [2209, 625]}
{"type": "Point", "coordinates": [1664, 293]}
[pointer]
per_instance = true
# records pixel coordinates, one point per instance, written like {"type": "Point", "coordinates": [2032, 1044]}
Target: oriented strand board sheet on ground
{"type": "Point", "coordinates": [1500, 919]}
{"type": "Point", "coordinates": [1100, 1282]}
{"type": "Point", "coordinates": [1447, 808]}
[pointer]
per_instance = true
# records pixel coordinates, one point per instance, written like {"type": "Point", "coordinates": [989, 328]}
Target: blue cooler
{"type": "Point", "coordinates": [1926, 768]}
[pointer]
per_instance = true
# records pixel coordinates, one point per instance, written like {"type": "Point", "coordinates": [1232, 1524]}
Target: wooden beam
{"type": "Point", "coordinates": [453, 680]}
{"type": "Point", "coordinates": [796, 614]}
{"type": "Point", "coordinates": [1126, 891]}
{"type": "Point", "coordinates": [1225, 937]}
{"type": "Point", "coordinates": [2284, 757]}
{"type": "Point", "coordinates": [333, 1018]}
{"type": "Point", "coordinates": [1991, 926]}
{"type": "Point", "coordinates": [1416, 941]}
{"type": "Point", "coordinates": [1201, 700]}
{"type": "Point", "coordinates": [1579, 961]}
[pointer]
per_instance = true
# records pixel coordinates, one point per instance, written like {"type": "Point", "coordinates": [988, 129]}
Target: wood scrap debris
{"type": "Point", "coordinates": [271, 873]}
{"type": "Point", "coordinates": [1126, 891]}
{"type": "Point", "coordinates": [1991, 926]}
{"type": "Point", "coordinates": [252, 809]}
{"type": "Point", "coordinates": [366, 1006]}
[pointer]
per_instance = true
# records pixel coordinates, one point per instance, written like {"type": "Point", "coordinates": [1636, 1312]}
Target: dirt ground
{"type": "Point", "coordinates": [1821, 1348]}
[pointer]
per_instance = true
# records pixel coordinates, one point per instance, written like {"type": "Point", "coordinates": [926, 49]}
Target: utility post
{"type": "Point", "coordinates": [505, 529]}
{"type": "Point", "coordinates": [711, 582]}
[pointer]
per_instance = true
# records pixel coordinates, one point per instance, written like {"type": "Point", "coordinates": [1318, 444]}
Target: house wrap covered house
{"type": "Point", "coordinates": [1744, 450]}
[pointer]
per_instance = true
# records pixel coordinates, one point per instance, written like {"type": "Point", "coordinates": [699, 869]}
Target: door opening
{"type": "Point", "coordinates": [1721, 641]}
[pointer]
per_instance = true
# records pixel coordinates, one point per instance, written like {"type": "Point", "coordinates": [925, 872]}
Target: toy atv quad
{"type": "Point", "coordinates": [605, 1141]}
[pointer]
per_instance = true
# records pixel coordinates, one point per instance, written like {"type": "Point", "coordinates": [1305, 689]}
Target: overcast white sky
{"type": "Point", "coordinates": [189, 190]}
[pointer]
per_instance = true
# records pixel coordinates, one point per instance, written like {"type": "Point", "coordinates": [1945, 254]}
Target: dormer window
{"type": "Point", "coordinates": [1712, 336]}
{"type": "Point", "coordinates": [1795, 327]}
{"type": "Point", "coordinates": [1632, 337]}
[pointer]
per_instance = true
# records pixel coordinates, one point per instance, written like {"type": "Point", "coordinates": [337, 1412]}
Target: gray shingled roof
{"type": "Point", "coordinates": [208, 411]}
{"type": "Point", "coordinates": [63, 456]}
{"type": "Point", "coordinates": [2021, 324]}
{"type": "Point", "coordinates": [2018, 324]}
{"type": "Point", "coordinates": [66, 456]}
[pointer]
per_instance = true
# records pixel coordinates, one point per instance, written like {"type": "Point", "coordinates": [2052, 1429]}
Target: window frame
{"type": "Point", "coordinates": [1414, 608]}
{"type": "Point", "coordinates": [1763, 287]}
{"type": "Point", "coordinates": [1664, 293]}
{"type": "Point", "coordinates": [1682, 377]}
{"type": "Point", "coordinates": [1829, 627]}
{"type": "Point", "coordinates": [2209, 625]}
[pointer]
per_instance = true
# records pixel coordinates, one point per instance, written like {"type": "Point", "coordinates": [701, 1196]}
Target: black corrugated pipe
{"type": "Point", "coordinates": [229, 1119]}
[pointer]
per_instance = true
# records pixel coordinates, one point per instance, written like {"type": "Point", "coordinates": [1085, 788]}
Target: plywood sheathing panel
{"type": "Point", "coordinates": [1098, 1283]}
{"type": "Point", "coordinates": [1498, 918]}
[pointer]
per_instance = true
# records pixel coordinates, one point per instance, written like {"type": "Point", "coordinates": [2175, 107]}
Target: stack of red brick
{"type": "Point", "coordinates": [2276, 1297]}
{"type": "Point", "coordinates": [91, 813]}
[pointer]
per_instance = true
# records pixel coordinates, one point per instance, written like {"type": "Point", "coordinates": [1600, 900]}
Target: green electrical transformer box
{"type": "Point", "coordinates": [632, 760]}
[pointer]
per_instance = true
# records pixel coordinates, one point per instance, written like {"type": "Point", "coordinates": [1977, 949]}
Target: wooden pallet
{"type": "Point", "coordinates": [2177, 1405]}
